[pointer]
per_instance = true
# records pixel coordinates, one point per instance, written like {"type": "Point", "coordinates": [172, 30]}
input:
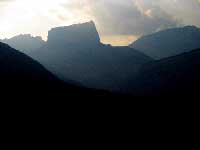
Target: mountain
{"type": "Point", "coordinates": [76, 53]}
{"type": "Point", "coordinates": [17, 67]}
{"type": "Point", "coordinates": [22, 76]}
{"type": "Point", "coordinates": [169, 42]}
{"type": "Point", "coordinates": [81, 35]}
{"type": "Point", "coordinates": [25, 43]}
{"type": "Point", "coordinates": [177, 75]}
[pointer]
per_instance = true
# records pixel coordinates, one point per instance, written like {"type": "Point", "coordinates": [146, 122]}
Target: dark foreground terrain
{"type": "Point", "coordinates": [22, 76]}
{"type": "Point", "coordinates": [177, 76]}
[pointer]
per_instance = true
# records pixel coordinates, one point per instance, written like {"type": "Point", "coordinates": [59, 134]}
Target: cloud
{"type": "Point", "coordinates": [115, 19]}
{"type": "Point", "coordinates": [128, 17]}
{"type": "Point", "coordinates": [133, 17]}
{"type": "Point", "coordinates": [125, 18]}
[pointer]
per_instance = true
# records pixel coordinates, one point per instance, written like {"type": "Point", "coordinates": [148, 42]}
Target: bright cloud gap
{"type": "Point", "coordinates": [119, 22]}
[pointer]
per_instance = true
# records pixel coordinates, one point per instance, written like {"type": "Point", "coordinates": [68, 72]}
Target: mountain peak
{"type": "Point", "coordinates": [25, 42]}
{"type": "Point", "coordinates": [169, 42]}
{"type": "Point", "coordinates": [25, 37]}
{"type": "Point", "coordinates": [76, 34]}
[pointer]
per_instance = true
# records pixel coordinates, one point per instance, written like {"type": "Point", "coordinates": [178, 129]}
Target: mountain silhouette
{"type": "Point", "coordinates": [21, 75]}
{"type": "Point", "coordinates": [25, 43]}
{"type": "Point", "coordinates": [17, 67]}
{"type": "Point", "coordinates": [76, 53]}
{"type": "Point", "coordinates": [77, 63]}
{"type": "Point", "coordinates": [75, 35]}
{"type": "Point", "coordinates": [177, 75]}
{"type": "Point", "coordinates": [169, 42]}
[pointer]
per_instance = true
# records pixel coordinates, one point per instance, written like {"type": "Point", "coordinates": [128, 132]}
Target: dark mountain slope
{"type": "Point", "coordinates": [169, 42]}
{"type": "Point", "coordinates": [178, 75]}
{"type": "Point", "coordinates": [76, 53]}
{"type": "Point", "coordinates": [16, 66]}
{"type": "Point", "coordinates": [21, 75]}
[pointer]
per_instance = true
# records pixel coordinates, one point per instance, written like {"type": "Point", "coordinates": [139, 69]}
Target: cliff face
{"type": "Point", "coordinates": [79, 34]}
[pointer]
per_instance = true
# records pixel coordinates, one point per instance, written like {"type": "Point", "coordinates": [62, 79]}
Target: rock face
{"type": "Point", "coordinates": [25, 43]}
{"type": "Point", "coordinates": [79, 34]}
{"type": "Point", "coordinates": [76, 53]}
{"type": "Point", "coordinates": [177, 75]}
{"type": "Point", "coordinates": [169, 42]}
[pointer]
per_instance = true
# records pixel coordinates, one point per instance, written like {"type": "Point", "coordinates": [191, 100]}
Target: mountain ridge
{"type": "Point", "coordinates": [23, 77]}
{"type": "Point", "coordinates": [25, 43]}
{"type": "Point", "coordinates": [15, 64]}
{"type": "Point", "coordinates": [176, 75]}
{"type": "Point", "coordinates": [169, 42]}
{"type": "Point", "coordinates": [86, 62]}
{"type": "Point", "coordinates": [86, 59]}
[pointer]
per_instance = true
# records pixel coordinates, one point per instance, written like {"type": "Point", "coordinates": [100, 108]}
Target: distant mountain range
{"type": "Point", "coordinates": [75, 58]}
{"type": "Point", "coordinates": [75, 52]}
{"type": "Point", "coordinates": [25, 43]}
{"type": "Point", "coordinates": [169, 42]}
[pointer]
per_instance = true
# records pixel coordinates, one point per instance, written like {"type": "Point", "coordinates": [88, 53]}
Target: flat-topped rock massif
{"type": "Point", "coordinates": [79, 34]}
{"type": "Point", "coordinates": [76, 53]}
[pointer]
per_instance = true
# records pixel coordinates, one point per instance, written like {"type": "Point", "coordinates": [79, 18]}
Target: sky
{"type": "Point", "coordinates": [119, 22]}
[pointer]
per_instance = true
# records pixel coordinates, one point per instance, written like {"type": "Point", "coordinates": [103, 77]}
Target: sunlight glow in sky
{"type": "Point", "coordinates": [119, 22]}
{"type": "Point", "coordinates": [35, 16]}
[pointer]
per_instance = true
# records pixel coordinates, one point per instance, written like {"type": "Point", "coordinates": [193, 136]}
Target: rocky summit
{"type": "Point", "coordinates": [79, 34]}
{"type": "Point", "coordinates": [76, 53]}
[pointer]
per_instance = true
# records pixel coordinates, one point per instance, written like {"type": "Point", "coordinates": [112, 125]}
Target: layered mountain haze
{"type": "Point", "coordinates": [21, 75]}
{"type": "Point", "coordinates": [25, 43]}
{"type": "Point", "coordinates": [169, 42]}
{"type": "Point", "coordinates": [77, 62]}
{"type": "Point", "coordinates": [177, 75]}
{"type": "Point", "coordinates": [75, 52]}
{"type": "Point", "coordinates": [131, 48]}
{"type": "Point", "coordinates": [16, 67]}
